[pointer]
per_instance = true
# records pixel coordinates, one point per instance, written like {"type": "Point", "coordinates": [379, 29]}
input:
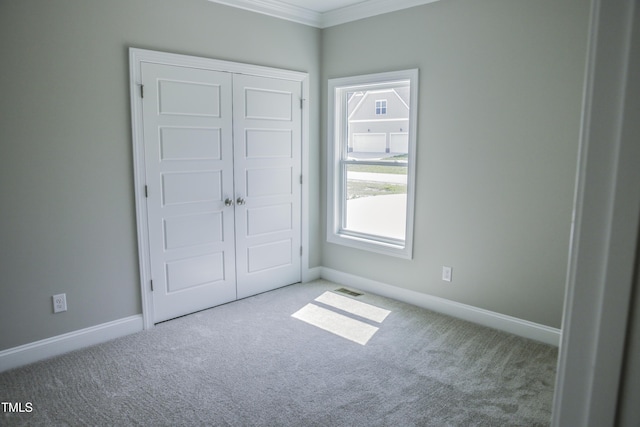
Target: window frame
{"type": "Point", "coordinates": [337, 162]}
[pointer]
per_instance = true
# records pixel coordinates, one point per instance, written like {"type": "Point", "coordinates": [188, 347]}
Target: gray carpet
{"type": "Point", "coordinates": [250, 363]}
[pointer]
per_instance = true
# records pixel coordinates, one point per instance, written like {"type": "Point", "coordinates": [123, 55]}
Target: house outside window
{"type": "Point", "coordinates": [371, 170]}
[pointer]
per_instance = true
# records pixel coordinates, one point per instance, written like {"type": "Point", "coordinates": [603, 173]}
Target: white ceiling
{"type": "Point", "coordinates": [322, 6]}
{"type": "Point", "coordinates": [323, 13]}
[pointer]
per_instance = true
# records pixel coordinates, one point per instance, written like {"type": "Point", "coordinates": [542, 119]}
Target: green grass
{"type": "Point", "coordinates": [397, 170]}
{"type": "Point", "coordinates": [356, 189]}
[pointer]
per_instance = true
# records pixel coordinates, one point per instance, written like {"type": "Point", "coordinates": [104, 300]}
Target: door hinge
{"type": "Point", "coordinates": [146, 191]}
{"type": "Point", "coordinates": [141, 91]}
{"type": "Point", "coordinates": [151, 285]}
{"type": "Point", "coordinates": [300, 179]}
{"type": "Point", "coordinates": [302, 103]}
{"type": "Point", "coordinates": [300, 250]}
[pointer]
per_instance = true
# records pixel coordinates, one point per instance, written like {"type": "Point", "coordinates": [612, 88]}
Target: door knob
{"type": "Point", "coordinates": [228, 202]}
{"type": "Point", "coordinates": [240, 201]}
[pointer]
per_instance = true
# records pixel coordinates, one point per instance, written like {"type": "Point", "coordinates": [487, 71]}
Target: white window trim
{"type": "Point", "coordinates": [334, 173]}
{"type": "Point", "coordinates": [382, 107]}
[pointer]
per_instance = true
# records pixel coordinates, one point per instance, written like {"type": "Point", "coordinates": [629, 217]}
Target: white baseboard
{"type": "Point", "coordinates": [54, 346]}
{"type": "Point", "coordinates": [480, 316]}
{"type": "Point", "coordinates": [312, 273]}
{"type": "Point", "coordinates": [49, 347]}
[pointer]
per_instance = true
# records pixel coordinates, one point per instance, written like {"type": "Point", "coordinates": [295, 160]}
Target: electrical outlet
{"type": "Point", "coordinates": [59, 303]}
{"type": "Point", "coordinates": [447, 273]}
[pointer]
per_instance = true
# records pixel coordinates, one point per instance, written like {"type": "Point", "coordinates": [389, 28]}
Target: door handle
{"type": "Point", "coordinates": [228, 202]}
{"type": "Point", "coordinates": [240, 201]}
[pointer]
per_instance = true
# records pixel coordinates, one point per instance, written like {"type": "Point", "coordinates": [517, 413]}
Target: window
{"type": "Point", "coordinates": [381, 107]}
{"type": "Point", "coordinates": [371, 168]}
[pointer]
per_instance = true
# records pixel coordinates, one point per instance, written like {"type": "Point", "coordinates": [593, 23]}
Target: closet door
{"type": "Point", "coordinates": [187, 122]}
{"type": "Point", "coordinates": [267, 173]}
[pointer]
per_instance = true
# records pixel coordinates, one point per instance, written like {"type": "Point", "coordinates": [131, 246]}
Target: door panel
{"type": "Point", "coordinates": [189, 98]}
{"type": "Point", "coordinates": [268, 182]}
{"type": "Point", "coordinates": [191, 187]}
{"type": "Point", "coordinates": [269, 143]}
{"type": "Point", "coordinates": [190, 144]}
{"type": "Point", "coordinates": [265, 104]}
{"type": "Point", "coordinates": [195, 272]}
{"type": "Point", "coordinates": [193, 230]}
{"type": "Point", "coordinates": [269, 219]}
{"type": "Point", "coordinates": [187, 117]}
{"type": "Point", "coordinates": [269, 256]}
{"type": "Point", "coordinates": [267, 154]}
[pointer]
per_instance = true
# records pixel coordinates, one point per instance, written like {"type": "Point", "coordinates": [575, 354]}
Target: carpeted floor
{"type": "Point", "coordinates": [250, 363]}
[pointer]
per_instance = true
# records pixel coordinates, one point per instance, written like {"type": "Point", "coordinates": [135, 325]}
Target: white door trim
{"type": "Point", "coordinates": [602, 264]}
{"type": "Point", "coordinates": [136, 58]}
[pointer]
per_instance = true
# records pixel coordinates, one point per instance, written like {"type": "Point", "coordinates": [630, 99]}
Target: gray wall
{"type": "Point", "coordinates": [498, 130]}
{"type": "Point", "coordinates": [67, 216]}
{"type": "Point", "coordinates": [499, 116]}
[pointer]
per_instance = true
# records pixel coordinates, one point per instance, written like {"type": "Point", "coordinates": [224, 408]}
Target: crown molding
{"type": "Point", "coordinates": [277, 9]}
{"type": "Point", "coordinates": [366, 9]}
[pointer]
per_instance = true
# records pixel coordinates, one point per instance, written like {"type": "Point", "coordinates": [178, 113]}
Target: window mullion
{"type": "Point", "coordinates": [375, 163]}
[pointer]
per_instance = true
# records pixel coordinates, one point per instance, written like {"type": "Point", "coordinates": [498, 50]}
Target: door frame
{"type": "Point", "coordinates": [139, 56]}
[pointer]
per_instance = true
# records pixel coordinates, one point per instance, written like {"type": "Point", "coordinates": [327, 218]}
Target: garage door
{"type": "Point", "coordinates": [369, 142]}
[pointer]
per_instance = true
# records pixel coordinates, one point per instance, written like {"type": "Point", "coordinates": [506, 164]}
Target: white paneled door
{"type": "Point", "coordinates": [222, 155]}
{"type": "Point", "coordinates": [267, 131]}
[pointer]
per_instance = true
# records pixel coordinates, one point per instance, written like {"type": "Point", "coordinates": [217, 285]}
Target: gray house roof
{"type": "Point", "coordinates": [362, 105]}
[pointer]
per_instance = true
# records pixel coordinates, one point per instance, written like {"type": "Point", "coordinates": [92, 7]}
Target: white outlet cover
{"type": "Point", "coordinates": [59, 303]}
{"type": "Point", "coordinates": [447, 273]}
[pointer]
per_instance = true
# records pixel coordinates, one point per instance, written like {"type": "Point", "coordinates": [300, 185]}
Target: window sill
{"type": "Point", "coordinates": [363, 243]}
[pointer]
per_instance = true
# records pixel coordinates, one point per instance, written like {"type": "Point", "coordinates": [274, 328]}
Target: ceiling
{"type": "Point", "coordinates": [322, 6]}
{"type": "Point", "coordinates": [322, 13]}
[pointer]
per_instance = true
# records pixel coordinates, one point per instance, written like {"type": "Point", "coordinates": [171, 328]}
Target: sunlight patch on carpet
{"type": "Point", "coordinates": [352, 306]}
{"type": "Point", "coordinates": [338, 324]}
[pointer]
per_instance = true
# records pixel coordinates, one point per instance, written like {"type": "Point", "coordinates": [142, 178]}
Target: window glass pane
{"type": "Point", "coordinates": [376, 200]}
{"type": "Point", "coordinates": [378, 129]}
